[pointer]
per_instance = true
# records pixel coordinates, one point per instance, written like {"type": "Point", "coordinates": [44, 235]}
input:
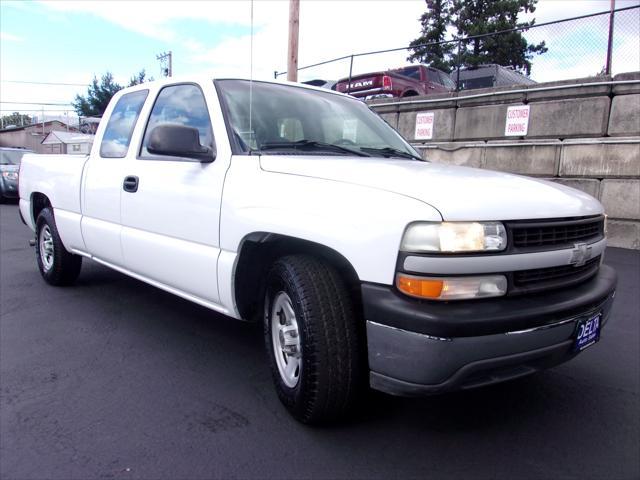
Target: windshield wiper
{"type": "Point", "coordinates": [311, 145]}
{"type": "Point", "coordinates": [391, 152]}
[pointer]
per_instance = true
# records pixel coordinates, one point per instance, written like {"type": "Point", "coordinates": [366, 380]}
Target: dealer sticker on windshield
{"type": "Point", "coordinates": [588, 332]}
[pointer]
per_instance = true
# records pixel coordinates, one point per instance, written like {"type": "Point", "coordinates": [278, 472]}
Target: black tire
{"type": "Point", "coordinates": [332, 367]}
{"type": "Point", "coordinates": [64, 267]}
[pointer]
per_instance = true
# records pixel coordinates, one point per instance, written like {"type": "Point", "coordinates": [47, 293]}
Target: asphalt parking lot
{"type": "Point", "coordinates": [116, 379]}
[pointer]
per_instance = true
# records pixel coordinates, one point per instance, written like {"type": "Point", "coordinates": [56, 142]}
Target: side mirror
{"type": "Point", "coordinates": [179, 141]}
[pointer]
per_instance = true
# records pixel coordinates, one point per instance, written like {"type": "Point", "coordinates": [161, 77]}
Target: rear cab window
{"type": "Point", "coordinates": [434, 76]}
{"type": "Point", "coordinates": [412, 72]}
{"type": "Point", "coordinates": [117, 135]}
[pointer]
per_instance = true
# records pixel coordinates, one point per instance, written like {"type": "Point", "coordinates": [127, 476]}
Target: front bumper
{"type": "Point", "coordinates": [421, 348]}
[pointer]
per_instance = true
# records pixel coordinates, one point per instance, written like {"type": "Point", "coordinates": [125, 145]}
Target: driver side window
{"type": "Point", "coordinates": [180, 105]}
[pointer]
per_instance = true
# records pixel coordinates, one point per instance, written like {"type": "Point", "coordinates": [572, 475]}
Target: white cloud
{"type": "Point", "coordinates": [626, 55]}
{"type": "Point", "coordinates": [578, 48]}
{"type": "Point", "coordinates": [327, 30]}
{"type": "Point", "coordinates": [550, 10]}
{"type": "Point", "coordinates": [335, 29]}
{"type": "Point", "coordinates": [9, 37]}
{"type": "Point", "coordinates": [153, 19]}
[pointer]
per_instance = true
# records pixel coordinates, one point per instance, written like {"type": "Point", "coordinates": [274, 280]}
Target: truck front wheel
{"type": "Point", "coordinates": [57, 266]}
{"type": "Point", "coordinates": [311, 337]}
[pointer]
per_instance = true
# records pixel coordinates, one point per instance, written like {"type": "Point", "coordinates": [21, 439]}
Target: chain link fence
{"type": "Point", "coordinates": [598, 44]}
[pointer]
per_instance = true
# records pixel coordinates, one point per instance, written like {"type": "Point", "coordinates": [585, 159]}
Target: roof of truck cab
{"type": "Point", "coordinates": [203, 79]}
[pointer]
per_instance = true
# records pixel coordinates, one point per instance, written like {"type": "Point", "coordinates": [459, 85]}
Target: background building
{"type": "Point", "coordinates": [31, 136]}
{"type": "Point", "coordinates": [67, 142]}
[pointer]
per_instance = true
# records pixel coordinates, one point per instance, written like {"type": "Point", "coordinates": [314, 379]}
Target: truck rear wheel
{"type": "Point", "coordinates": [57, 266]}
{"type": "Point", "coordinates": [311, 337]}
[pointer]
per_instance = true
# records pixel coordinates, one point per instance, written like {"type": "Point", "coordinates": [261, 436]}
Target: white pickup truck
{"type": "Point", "coordinates": [302, 209]}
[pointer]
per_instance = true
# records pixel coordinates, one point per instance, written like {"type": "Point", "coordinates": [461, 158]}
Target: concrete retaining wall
{"type": "Point", "coordinates": [581, 133]}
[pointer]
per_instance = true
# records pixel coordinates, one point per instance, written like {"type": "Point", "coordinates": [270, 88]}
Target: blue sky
{"type": "Point", "coordinates": [83, 43]}
{"type": "Point", "coordinates": [54, 46]}
{"type": "Point", "coordinates": [72, 41]}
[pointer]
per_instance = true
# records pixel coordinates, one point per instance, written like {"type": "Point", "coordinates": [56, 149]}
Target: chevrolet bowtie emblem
{"type": "Point", "coordinates": [580, 254]}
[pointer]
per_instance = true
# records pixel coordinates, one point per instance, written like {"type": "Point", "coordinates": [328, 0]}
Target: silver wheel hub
{"type": "Point", "coordinates": [286, 339]}
{"type": "Point", "coordinates": [46, 247]}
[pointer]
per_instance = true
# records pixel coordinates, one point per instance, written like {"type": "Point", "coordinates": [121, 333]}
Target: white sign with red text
{"type": "Point", "coordinates": [424, 126]}
{"type": "Point", "coordinates": [517, 123]}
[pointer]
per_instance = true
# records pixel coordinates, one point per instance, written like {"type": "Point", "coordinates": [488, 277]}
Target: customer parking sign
{"type": "Point", "coordinates": [424, 126]}
{"type": "Point", "coordinates": [517, 123]}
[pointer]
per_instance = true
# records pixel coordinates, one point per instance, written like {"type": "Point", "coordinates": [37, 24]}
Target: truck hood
{"type": "Point", "coordinates": [458, 193]}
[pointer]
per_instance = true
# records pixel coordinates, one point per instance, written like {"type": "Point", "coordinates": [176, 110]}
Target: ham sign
{"type": "Point", "coordinates": [517, 123]}
{"type": "Point", "coordinates": [424, 126]}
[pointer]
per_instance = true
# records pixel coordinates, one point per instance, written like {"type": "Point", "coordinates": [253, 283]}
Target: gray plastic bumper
{"type": "Point", "coordinates": [413, 364]}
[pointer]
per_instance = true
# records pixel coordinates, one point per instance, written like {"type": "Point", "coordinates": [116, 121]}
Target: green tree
{"type": "Point", "coordinates": [461, 19]}
{"type": "Point", "coordinates": [428, 47]}
{"type": "Point", "coordinates": [16, 118]}
{"type": "Point", "coordinates": [480, 17]}
{"type": "Point", "coordinates": [139, 78]}
{"type": "Point", "coordinates": [99, 93]}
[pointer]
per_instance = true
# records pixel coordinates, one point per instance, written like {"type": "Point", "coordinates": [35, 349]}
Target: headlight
{"type": "Point", "coordinates": [452, 288]}
{"type": "Point", "coordinates": [455, 237]}
{"type": "Point", "coordinates": [10, 175]}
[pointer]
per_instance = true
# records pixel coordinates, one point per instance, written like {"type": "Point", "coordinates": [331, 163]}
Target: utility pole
{"type": "Point", "coordinates": [166, 63]}
{"type": "Point", "coordinates": [292, 54]}
{"type": "Point", "coordinates": [607, 68]}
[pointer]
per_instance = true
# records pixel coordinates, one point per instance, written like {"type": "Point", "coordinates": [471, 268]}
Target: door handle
{"type": "Point", "coordinates": [130, 184]}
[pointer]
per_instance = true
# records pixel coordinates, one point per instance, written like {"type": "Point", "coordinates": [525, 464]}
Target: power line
{"type": "Point", "coordinates": [38, 103]}
{"type": "Point", "coordinates": [47, 83]}
{"type": "Point", "coordinates": [276, 74]}
{"type": "Point", "coordinates": [19, 110]}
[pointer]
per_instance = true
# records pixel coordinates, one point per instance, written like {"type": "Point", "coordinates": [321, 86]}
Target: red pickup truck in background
{"type": "Point", "coordinates": [400, 82]}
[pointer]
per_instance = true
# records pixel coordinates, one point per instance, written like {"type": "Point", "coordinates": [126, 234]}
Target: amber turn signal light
{"type": "Point", "coordinates": [452, 288]}
{"type": "Point", "coordinates": [420, 287]}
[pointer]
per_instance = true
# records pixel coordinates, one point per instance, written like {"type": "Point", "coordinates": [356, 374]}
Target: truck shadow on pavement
{"type": "Point", "coordinates": [206, 340]}
{"type": "Point", "coordinates": [113, 373]}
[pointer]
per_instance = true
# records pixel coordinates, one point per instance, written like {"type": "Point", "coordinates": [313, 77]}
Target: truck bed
{"type": "Point", "coordinates": [59, 177]}
{"type": "Point", "coordinates": [361, 85]}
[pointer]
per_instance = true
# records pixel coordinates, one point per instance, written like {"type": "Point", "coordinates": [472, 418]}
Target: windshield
{"type": "Point", "coordinates": [11, 157]}
{"type": "Point", "coordinates": [299, 120]}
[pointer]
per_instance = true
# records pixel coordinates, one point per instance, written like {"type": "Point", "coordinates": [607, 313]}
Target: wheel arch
{"type": "Point", "coordinates": [38, 202]}
{"type": "Point", "coordinates": [258, 251]}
